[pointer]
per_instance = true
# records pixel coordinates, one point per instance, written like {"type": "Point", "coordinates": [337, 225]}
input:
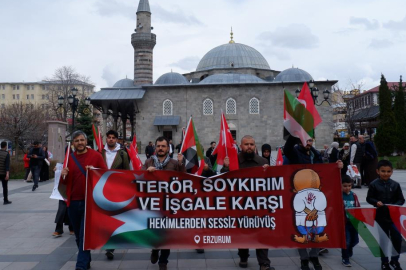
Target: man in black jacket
{"type": "Point", "coordinates": [383, 191]}
{"type": "Point", "coordinates": [36, 156]}
{"type": "Point", "coordinates": [209, 151]}
{"type": "Point", "coordinates": [149, 150]}
{"type": "Point", "coordinates": [247, 159]}
{"type": "Point", "coordinates": [4, 170]}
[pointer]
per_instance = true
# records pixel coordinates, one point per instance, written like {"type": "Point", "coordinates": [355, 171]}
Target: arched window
{"type": "Point", "coordinates": [231, 106]}
{"type": "Point", "coordinates": [207, 107]}
{"type": "Point", "coordinates": [167, 107]}
{"type": "Point", "coordinates": [254, 106]}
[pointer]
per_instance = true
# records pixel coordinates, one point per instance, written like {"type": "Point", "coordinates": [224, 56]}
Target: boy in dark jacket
{"type": "Point", "coordinates": [382, 191]}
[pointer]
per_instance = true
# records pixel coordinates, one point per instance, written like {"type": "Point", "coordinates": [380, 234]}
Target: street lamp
{"type": "Point", "coordinates": [73, 102]}
{"type": "Point", "coordinates": [314, 91]}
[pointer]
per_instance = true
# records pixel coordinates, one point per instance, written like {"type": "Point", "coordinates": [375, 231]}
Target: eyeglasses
{"type": "Point", "coordinates": [310, 140]}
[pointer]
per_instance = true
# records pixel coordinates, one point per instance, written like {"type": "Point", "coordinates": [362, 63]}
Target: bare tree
{"type": "Point", "coordinates": [22, 124]}
{"type": "Point", "coordinates": [60, 84]}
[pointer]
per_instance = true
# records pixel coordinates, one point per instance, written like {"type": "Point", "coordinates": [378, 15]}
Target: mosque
{"type": "Point", "coordinates": [232, 77]}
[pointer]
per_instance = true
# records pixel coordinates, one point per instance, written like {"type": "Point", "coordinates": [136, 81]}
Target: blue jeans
{"type": "Point", "coordinates": [76, 211]}
{"type": "Point", "coordinates": [351, 240]}
{"type": "Point", "coordinates": [35, 170]}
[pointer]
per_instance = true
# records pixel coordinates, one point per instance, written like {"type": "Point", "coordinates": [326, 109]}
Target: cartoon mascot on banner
{"type": "Point", "coordinates": [309, 204]}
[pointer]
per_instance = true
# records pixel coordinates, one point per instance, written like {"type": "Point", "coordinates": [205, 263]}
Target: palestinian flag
{"type": "Point", "coordinates": [97, 138]}
{"type": "Point", "coordinates": [192, 150]}
{"type": "Point", "coordinates": [363, 220]}
{"type": "Point", "coordinates": [297, 120]}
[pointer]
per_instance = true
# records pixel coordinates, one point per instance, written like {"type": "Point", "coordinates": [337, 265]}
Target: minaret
{"type": "Point", "coordinates": [143, 42]}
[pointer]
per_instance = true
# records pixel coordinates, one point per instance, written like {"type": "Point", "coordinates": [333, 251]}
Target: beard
{"type": "Point", "coordinates": [248, 156]}
{"type": "Point", "coordinates": [161, 154]}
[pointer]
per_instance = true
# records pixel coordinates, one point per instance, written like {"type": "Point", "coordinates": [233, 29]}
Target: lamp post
{"type": "Point", "coordinates": [314, 91]}
{"type": "Point", "coordinates": [73, 103]}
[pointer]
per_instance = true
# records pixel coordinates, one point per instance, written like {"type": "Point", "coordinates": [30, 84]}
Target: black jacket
{"type": "Point", "coordinates": [333, 157]}
{"type": "Point", "coordinates": [297, 154]}
{"type": "Point", "coordinates": [388, 192]}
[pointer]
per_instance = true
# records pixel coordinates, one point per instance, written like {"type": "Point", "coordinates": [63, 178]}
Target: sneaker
{"type": "Point", "coordinates": [34, 187]}
{"type": "Point", "coordinates": [200, 250]}
{"type": "Point", "coordinates": [110, 255]}
{"type": "Point", "coordinates": [163, 266]}
{"type": "Point", "coordinates": [266, 267]}
{"type": "Point", "coordinates": [323, 251]}
{"type": "Point", "coordinates": [385, 266]}
{"type": "Point", "coordinates": [7, 202]}
{"type": "Point", "coordinates": [346, 262]}
{"type": "Point", "coordinates": [395, 265]}
{"type": "Point", "coordinates": [155, 256]}
{"type": "Point", "coordinates": [316, 263]}
{"type": "Point", "coordinates": [243, 262]}
{"type": "Point", "coordinates": [304, 265]}
{"type": "Point", "coordinates": [57, 234]}
{"type": "Point", "coordinates": [71, 232]}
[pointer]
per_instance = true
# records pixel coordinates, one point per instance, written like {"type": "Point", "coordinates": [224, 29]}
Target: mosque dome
{"type": "Point", "coordinates": [172, 78]}
{"type": "Point", "coordinates": [231, 55]}
{"type": "Point", "coordinates": [124, 83]}
{"type": "Point", "coordinates": [227, 78]}
{"type": "Point", "coordinates": [293, 75]}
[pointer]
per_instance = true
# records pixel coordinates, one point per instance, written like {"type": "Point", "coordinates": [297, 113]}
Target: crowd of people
{"type": "Point", "coordinates": [160, 156]}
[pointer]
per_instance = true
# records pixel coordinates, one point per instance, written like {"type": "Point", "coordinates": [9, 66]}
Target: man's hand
{"type": "Point", "coordinates": [379, 204]}
{"type": "Point", "coordinates": [90, 167]}
{"type": "Point", "coordinates": [206, 167]}
{"type": "Point", "coordinates": [151, 169]}
{"type": "Point", "coordinates": [340, 164]}
{"type": "Point", "coordinates": [7, 176]}
{"type": "Point", "coordinates": [265, 166]}
{"type": "Point", "coordinates": [351, 163]}
{"type": "Point", "coordinates": [312, 216]}
{"type": "Point", "coordinates": [65, 172]}
{"type": "Point", "coordinates": [180, 158]}
{"type": "Point", "coordinates": [226, 162]}
{"type": "Point", "coordinates": [34, 156]}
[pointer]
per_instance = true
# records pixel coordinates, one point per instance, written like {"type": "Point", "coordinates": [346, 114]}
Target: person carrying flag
{"type": "Point", "coordinates": [115, 158]}
{"type": "Point", "coordinates": [247, 159]}
{"type": "Point", "coordinates": [74, 177]}
{"type": "Point", "coordinates": [162, 161]}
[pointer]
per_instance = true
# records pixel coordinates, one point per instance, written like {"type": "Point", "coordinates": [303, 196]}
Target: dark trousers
{"type": "Point", "coordinates": [59, 227]}
{"type": "Point", "coordinates": [27, 172]}
{"type": "Point", "coordinates": [35, 170]}
{"type": "Point", "coordinates": [163, 257]}
{"type": "Point", "coordinates": [351, 239]}
{"type": "Point", "coordinates": [76, 212]}
{"type": "Point", "coordinates": [4, 183]}
{"type": "Point", "coordinates": [262, 255]}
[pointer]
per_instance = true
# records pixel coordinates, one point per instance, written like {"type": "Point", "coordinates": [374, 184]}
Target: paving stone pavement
{"type": "Point", "coordinates": [26, 226]}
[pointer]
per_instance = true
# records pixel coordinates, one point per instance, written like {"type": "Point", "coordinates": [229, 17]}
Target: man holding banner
{"type": "Point", "coordinates": [247, 159]}
{"type": "Point", "coordinates": [162, 161]}
{"type": "Point", "coordinates": [74, 177]}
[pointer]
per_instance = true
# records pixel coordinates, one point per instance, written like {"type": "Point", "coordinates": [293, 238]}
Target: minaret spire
{"type": "Point", "coordinates": [143, 42]}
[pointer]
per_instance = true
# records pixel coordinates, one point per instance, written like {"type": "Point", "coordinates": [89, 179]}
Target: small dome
{"type": "Point", "coordinates": [231, 55]}
{"type": "Point", "coordinates": [231, 78]}
{"type": "Point", "coordinates": [172, 78]}
{"type": "Point", "coordinates": [293, 75]}
{"type": "Point", "coordinates": [124, 83]}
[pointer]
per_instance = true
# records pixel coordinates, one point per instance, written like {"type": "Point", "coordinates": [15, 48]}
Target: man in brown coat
{"type": "Point", "coordinates": [162, 161]}
{"type": "Point", "coordinates": [247, 159]}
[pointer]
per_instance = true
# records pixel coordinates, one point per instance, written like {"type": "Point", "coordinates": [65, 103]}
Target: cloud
{"type": "Point", "coordinates": [369, 25]}
{"type": "Point", "coordinates": [380, 44]}
{"type": "Point", "coordinates": [345, 31]}
{"type": "Point", "coordinates": [110, 8]}
{"type": "Point", "coordinates": [394, 25]}
{"type": "Point", "coordinates": [187, 63]}
{"type": "Point", "coordinates": [175, 16]}
{"type": "Point", "coordinates": [110, 75]}
{"type": "Point", "coordinates": [294, 36]}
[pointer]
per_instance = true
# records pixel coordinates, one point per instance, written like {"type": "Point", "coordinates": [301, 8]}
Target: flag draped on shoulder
{"type": "Point", "coordinates": [133, 153]}
{"type": "Point", "coordinates": [192, 150]}
{"type": "Point", "coordinates": [299, 117]}
{"type": "Point", "coordinates": [97, 138]}
{"type": "Point", "coordinates": [378, 242]}
{"type": "Point", "coordinates": [225, 147]}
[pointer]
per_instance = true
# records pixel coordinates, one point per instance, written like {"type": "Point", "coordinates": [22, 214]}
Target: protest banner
{"type": "Point", "coordinates": [55, 191]}
{"type": "Point", "coordinates": [293, 206]}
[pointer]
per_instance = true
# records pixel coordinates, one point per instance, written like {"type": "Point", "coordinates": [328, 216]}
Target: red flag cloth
{"type": "Point", "coordinates": [279, 158]}
{"type": "Point", "coordinates": [226, 146]}
{"type": "Point", "coordinates": [98, 138]}
{"type": "Point", "coordinates": [100, 144]}
{"type": "Point", "coordinates": [398, 215]}
{"type": "Point", "coordinates": [192, 150]}
{"type": "Point", "coordinates": [305, 97]}
{"type": "Point", "coordinates": [133, 153]}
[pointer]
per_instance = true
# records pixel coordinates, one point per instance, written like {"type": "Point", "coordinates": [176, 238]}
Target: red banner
{"type": "Point", "coordinates": [293, 206]}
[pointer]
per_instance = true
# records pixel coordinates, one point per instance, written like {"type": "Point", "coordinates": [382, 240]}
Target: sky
{"type": "Point", "coordinates": [352, 41]}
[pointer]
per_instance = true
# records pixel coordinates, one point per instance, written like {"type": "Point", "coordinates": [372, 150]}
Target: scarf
{"type": "Point", "coordinates": [158, 165]}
